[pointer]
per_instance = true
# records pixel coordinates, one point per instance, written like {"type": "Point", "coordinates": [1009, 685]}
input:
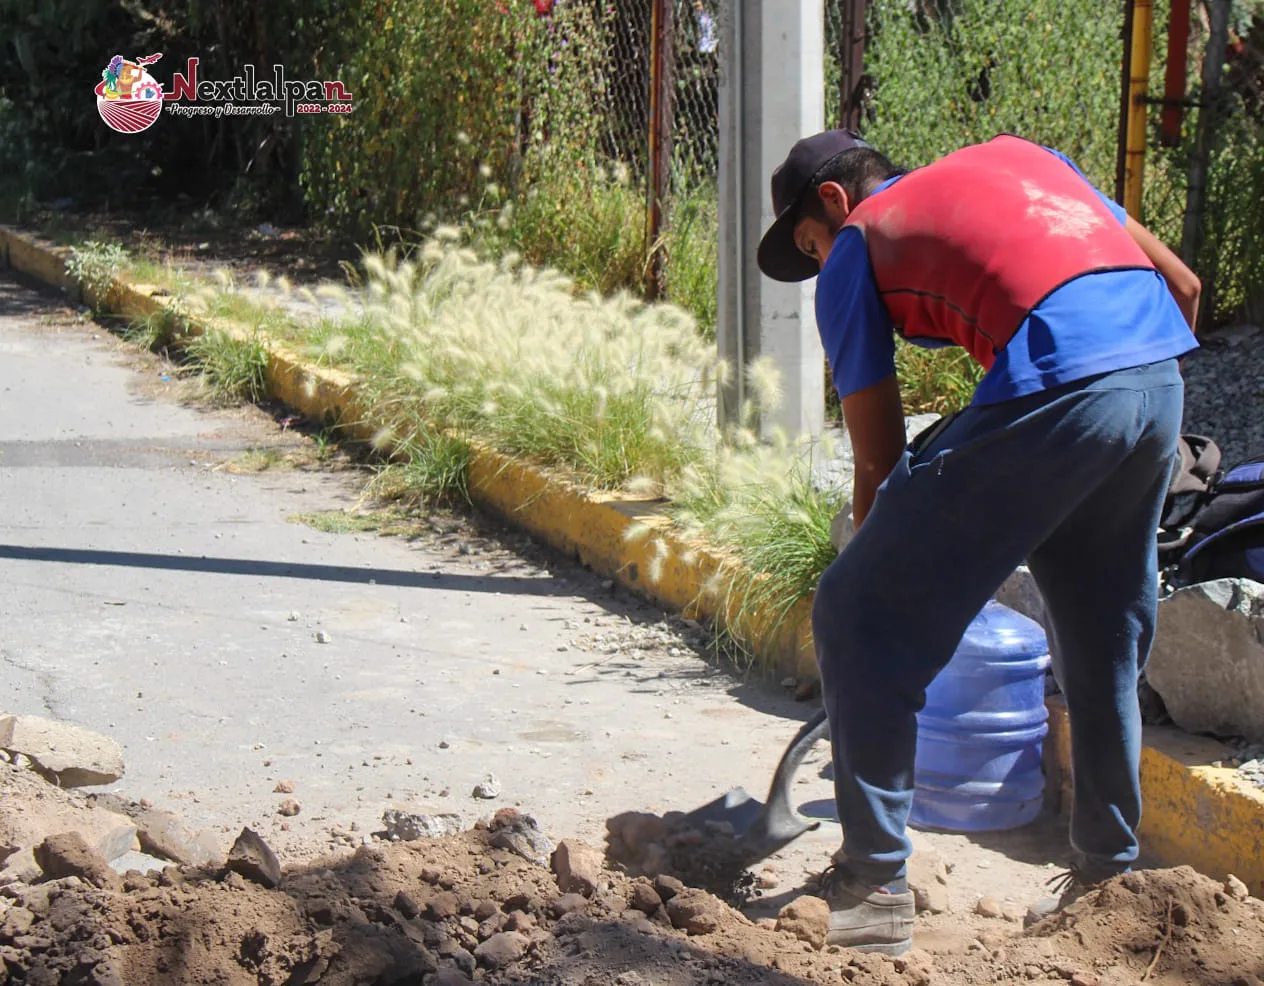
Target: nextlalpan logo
{"type": "Point", "coordinates": [130, 100]}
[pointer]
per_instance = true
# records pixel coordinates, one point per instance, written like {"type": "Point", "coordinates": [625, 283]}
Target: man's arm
{"type": "Point", "coordinates": [875, 422]}
{"type": "Point", "coordinates": [1182, 282]}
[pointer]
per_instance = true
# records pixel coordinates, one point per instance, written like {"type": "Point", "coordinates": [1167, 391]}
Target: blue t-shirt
{"type": "Point", "coordinates": [1096, 323]}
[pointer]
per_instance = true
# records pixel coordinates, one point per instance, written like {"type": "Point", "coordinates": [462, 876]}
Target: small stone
{"type": "Point", "coordinates": [294, 615]}
{"type": "Point", "coordinates": [694, 912]}
{"type": "Point", "coordinates": [807, 918]}
{"type": "Point", "coordinates": [1013, 912]}
{"type": "Point", "coordinates": [406, 905]}
{"type": "Point", "coordinates": [16, 921]}
{"type": "Point", "coordinates": [485, 909]}
{"type": "Point", "coordinates": [488, 789]}
{"type": "Point", "coordinates": [431, 875]}
{"type": "Point", "coordinates": [568, 904]}
{"type": "Point", "coordinates": [578, 867]}
{"type": "Point", "coordinates": [789, 682]}
{"type": "Point", "coordinates": [1236, 889]}
{"type": "Point", "coordinates": [283, 787]}
{"type": "Point", "coordinates": [644, 897]}
{"type": "Point", "coordinates": [667, 886]}
{"type": "Point", "coordinates": [322, 637]}
{"type": "Point", "coordinates": [988, 908]}
{"type": "Point", "coordinates": [289, 808]}
{"type": "Point", "coordinates": [519, 902]}
{"type": "Point", "coordinates": [403, 826]}
{"type": "Point", "coordinates": [443, 905]}
{"type": "Point", "coordinates": [806, 689]}
{"type": "Point", "coordinates": [1083, 978]}
{"type": "Point", "coordinates": [491, 926]}
{"type": "Point", "coordinates": [254, 859]}
{"type": "Point", "coordinates": [767, 879]}
{"type": "Point", "coordinates": [67, 854]}
{"type": "Point", "coordinates": [444, 745]}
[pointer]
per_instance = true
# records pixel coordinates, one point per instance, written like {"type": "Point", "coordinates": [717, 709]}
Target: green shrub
{"type": "Point", "coordinates": [233, 370]}
{"type": "Point", "coordinates": [95, 265]}
{"type": "Point", "coordinates": [1045, 69]}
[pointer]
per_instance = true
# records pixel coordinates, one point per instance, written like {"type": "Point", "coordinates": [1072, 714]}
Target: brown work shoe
{"type": "Point", "coordinates": [868, 919]}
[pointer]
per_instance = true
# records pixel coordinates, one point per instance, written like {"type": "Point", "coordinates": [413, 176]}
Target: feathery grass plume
{"type": "Point", "coordinates": [637, 531]}
{"type": "Point", "coordinates": [646, 486]}
{"type": "Point", "coordinates": [330, 291]}
{"type": "Point", "coordinates": [658, 561]}
{"type": "Point", "coordinates": [383, 439]}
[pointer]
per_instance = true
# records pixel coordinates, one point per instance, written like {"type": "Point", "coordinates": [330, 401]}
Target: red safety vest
{"type": "Point", "coordinates": [964, 248]}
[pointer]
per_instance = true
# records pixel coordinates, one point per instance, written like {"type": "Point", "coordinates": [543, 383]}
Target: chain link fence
{"type": "Point", "coordinates": [940, 74]}
{"type": "Point", "coordinates": [690, 83]}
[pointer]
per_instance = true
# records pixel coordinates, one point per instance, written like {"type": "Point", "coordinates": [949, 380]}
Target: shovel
{"type": "Point", "coordinates": [762, 829]}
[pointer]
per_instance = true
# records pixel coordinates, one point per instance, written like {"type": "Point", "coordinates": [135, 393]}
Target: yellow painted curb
{"type": "Point", "coordinates": [1194, 814]}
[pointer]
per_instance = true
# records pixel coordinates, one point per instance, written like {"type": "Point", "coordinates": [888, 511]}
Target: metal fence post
{"type": "Point", "coordinates": [1138, 106]}
{"type": "Point", "coordinates": [851, 60]}
{"type": "Point", "coordinates": [661, 119]}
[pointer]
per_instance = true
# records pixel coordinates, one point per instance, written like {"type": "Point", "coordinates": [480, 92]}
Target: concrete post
{"type": "Point", "coordinates": [772, 92]}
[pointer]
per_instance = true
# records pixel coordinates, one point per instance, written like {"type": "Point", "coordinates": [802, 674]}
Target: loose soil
{"type": "Point", "coordinates": [443, 910]}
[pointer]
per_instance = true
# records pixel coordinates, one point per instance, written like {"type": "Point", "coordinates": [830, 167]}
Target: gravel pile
{"type": "Point", "coordinates": [1224, 391]}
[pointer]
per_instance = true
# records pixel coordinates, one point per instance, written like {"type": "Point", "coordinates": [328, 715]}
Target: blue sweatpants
{"type": "Point", "coordinates": [1070, 480]}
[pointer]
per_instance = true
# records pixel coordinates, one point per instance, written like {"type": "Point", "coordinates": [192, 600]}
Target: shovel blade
{"type": "Point", "coordinates": [734, 809]}
{"type": "Point", "coordinates": [762, 829]}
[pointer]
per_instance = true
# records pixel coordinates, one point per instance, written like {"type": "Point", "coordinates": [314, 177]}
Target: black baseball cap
{"type": "Point", "coordinates": [778, 256]}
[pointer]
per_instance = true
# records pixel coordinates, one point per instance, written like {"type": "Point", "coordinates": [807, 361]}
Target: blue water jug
{"type": "Point", "coordinates": [979, 741]}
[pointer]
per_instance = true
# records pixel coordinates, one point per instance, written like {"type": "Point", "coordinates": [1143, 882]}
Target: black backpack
{"type": "Point", "coordinates": [1213, 519]}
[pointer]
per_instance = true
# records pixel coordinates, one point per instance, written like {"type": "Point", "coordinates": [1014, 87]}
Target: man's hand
{"type": "Point", "coordinates": [875, 422]}
{"type": "Point", "coordinates": [1181, 281]}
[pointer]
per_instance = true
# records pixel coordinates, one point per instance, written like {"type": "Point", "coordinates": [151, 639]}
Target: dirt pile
{"type": "Point", "coordinates": [1159, 926]}
{"type": "Point", "coordinates": [710, 857]}
{"type": "Point", "coordinates": [461, 908]}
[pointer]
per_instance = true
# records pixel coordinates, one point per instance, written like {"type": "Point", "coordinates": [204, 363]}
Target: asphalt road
{"type": "Point", "coordinates": [152, 592]}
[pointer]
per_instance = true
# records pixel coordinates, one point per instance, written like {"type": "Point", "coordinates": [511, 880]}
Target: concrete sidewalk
{"type": "Point", "coordinates": [148, 592]}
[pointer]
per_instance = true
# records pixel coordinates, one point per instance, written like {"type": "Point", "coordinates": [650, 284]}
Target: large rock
{"type": "Point", "coordinates": [578, 868]}
{"type": "Point", "coordinates": [1207, 662]}
{"type": "Point", "coordinates": [254, 859]}
{"type": "Point", "coordinates": [807, 918]}
{"type": "Point", "coordinates": [70, 755]}
{"type": "Point", "coordinates": [695, 912]}
{"type": "Point", "coordinates": [68, 854]}
{"type": "Point", "coordinates": [163, 834]}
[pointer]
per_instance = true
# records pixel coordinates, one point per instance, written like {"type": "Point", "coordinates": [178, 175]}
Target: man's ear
{"type": "Point", "coordinates": [834, 199]}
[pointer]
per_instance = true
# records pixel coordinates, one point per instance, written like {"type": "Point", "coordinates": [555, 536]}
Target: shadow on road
{"type": "Point", "coordinates": [286, 570]}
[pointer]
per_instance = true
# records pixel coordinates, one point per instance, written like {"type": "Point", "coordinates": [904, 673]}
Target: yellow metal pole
{"type": "Point", "coordinates": [1138, 88]}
